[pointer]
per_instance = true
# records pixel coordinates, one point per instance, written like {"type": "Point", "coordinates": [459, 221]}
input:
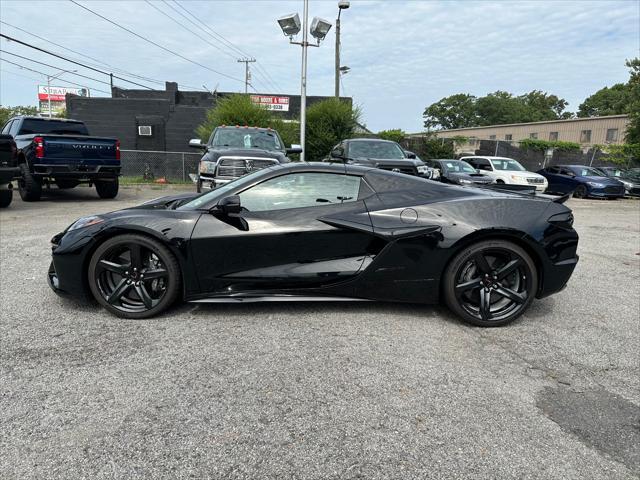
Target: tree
{"type": "Point", "coordinates": [633, 129]}
{"type": "Point", "coordinates": [7, 112]}
{"type": "Point", "coordinates": [236, 109]}
{"type": "Point", "coordinates": [607, 101]}
{"type": "Point", "coordinates": [395, 135]}
{"type": "Point", "coordinates": [540, 106]}
{"type": "Point", "coordinates": [329, 122]}
{"type": "Point", "coordinates": [455, 111]}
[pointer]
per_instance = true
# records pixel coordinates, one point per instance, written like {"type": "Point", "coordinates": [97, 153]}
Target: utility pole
{"type": "Point", "coordinates": [303, 80]}
{"type": "Point", "coordinates": [247, 74]}
{"type": "Point", "coordinates": [342, 5]}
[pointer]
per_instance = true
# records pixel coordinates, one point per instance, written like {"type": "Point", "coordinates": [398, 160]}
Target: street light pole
{"type": "Point", "coordinates": [342, 5]}
{"type": "Point", "coordinates": [53, 77]}
{"type": "Point", "coordinates": [303, 81]}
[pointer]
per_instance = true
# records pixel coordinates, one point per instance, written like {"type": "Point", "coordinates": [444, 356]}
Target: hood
{"type": "Point", "coordinates": [472, 177]}
{"type": "Point", "coordinates": [214, 153]}
{"type": "Point", "coordinates": [401, 162]}
{"type": "Point", "coordinates": [602, 180]}
{"type": "Point", "coordinates": [167, 202]}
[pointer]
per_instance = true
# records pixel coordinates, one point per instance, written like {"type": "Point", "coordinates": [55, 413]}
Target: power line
{"type": "Point", "coordinates": [99, 62]}
{"type": "Point", "coordinates": [46, 74]}
{"type": "Point", "coordinates": [69, 60]}
{"type": "Point", "coordinates": [154, 43]}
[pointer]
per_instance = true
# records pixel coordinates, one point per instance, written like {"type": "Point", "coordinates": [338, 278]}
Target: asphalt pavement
{"type": "Point", "coordinates": [318, 391]}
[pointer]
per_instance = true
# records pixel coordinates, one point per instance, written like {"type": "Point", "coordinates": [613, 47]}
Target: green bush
{"type": "Point", "coordinates": [626, 154]}
{"type": "Point", "coordinates": [395, 135]}
{"type": "Point", "coordinates": [329, 122]}
{"type": "Point", "coordinates": [236, 109]}
{"type": "Point", "coordinates": [542, 145]}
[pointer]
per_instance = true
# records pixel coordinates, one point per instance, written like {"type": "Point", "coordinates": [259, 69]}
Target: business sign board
{"type": "Point", "coordinates": [56, 97]}
{"type": "Point", "coordinates": [271, 102]}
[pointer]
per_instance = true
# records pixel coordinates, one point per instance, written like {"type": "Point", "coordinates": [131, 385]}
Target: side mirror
{"type": "Point", "coordinates": [337, 152]}
{"type": "Point", "coordinates": [229, 205]}
{"type": "Point", "coordinates": [197, 143]}
{"type": "Point", "coordinates": [411, 155]}
{"type": "Point", "coordinates": [294, 149]}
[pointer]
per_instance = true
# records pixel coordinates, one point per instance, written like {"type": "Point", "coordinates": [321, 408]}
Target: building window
{"type": "Point", "coordinates": [508, 136]}
{"type": "Point", "coordinates": [553, 136]}
{"type": "Point", "coordinates": [585, 136]}
{"type": "Point", "coordinates": [492, 137]}
{"type": "Point", "coordinates": [533, 135]}
{"type": "Point", "coordinates": [612, 135]}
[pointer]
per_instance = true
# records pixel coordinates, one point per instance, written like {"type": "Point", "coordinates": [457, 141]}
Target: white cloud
{"type": "Point", "coordinates": [403, 55]}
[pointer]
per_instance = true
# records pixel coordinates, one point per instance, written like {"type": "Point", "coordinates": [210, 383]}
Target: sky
{"type": "Point", "coordinates": [403, 55]}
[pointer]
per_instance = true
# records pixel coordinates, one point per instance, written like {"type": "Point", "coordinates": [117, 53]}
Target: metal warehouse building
{"type": "Point", "coordinates": [585, 131]}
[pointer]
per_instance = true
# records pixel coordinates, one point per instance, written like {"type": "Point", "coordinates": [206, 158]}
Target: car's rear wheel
{"type": "Point", "coordinates": [580, 191]}
{"type": "Point", "coordinates": [490, 283]}
{"type": "Point", "coordinates": [134, 276]}
{"type": "Point", "coordinates": [107, 188]}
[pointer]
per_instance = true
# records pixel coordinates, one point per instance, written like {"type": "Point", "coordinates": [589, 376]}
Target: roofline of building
{"type": "Point", "coordinates": [483, 127]}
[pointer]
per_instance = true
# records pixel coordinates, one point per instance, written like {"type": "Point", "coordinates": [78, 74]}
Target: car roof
{"type": "Point", "coordinates": [245, 126]}
{"type": "Point", "coordinates": [369, 140]}
{"type": "Point", "coordinates": [488, 157]}
{"type": "Point", "coordinates": [56, 119]}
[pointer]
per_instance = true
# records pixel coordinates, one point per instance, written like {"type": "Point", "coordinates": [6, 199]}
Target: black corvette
{"type": "Point", "coordinates": [305, 231]}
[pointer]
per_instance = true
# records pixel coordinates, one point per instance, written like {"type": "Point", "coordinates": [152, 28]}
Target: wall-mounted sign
{"type": "Point", "coordinates": [57, 94]}
{"type": "Point", "coordinates": [272, 103]}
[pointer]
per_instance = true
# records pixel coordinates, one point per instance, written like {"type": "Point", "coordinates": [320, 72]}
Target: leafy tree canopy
{"type": "Point", "coordinates": [7, 112]}
{"type": "Point", "coordinates": [329, 122]}
{"type": "Point", "coordinates": [395, 135]}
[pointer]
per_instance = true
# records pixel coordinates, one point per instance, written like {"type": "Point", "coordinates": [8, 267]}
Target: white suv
{"type": "Point", "coordinates": [507, 170]}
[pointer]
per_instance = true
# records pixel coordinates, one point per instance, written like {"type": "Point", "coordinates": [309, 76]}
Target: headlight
{"type": "Point", "coordinates": [423, 169]}
{"type": "Point", "coordinates": [464, 181]}
{"type": "Point", "coordinates": [86, 222]}
{"type": "Point", "coordinates": [518, 178]}
{"type": "Point", "coordinates": [596, 184]}
{"type": "Point", "coordinates": [207, 167]}
{"type": "Point", "coordinates": [627, 184]}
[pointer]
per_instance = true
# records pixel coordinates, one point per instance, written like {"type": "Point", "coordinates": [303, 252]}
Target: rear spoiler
{"type": "Point", "coordinates": [527, 190]}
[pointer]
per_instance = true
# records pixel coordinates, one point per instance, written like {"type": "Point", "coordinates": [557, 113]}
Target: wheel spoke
{"type": "Point", "coordinates": [508, 268]}
{"type": "Point", "coordinates": [154, 273]}
{"type": "Point", "coordinates": [466, 286]}
{"type": "Point", "coordinates": [136, 255]}
{"type": "Point", "coordinates": [141, 290]}
{"type": "Point", "coordinates": [510, 294]}
{"type": "Point", "coordinates": [481, 263]}
{"type": "Point", "coordinates": [485, 303]}
{"type": "Point", "coordinates": [112, 267]}
{"type": "Point", "coordinates": [117, 293]}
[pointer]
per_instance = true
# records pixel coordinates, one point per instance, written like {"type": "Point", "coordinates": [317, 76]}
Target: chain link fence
{"type": "Point", "coordinates": [148, 166]}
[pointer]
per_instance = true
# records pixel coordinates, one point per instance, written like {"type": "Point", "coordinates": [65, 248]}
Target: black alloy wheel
{"type": "Point", "coordinates": [134, 276]}
{"type": "Point", "coordinates": [580, 191]}
{"type": "Point", "coordinates": [491, 283]}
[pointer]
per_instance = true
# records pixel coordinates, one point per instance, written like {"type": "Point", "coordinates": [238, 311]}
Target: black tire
{"type": "Point", "coordinates": [134, 285]}
{"type": "Point", "coordinates": [64, 183]}
{"type": "Point", "coordinates": [107, 188]}
{"type": "Point", "coordinates": [29, 187]}
{"type": "Point", "coordinates": [500, 181]}
{"type": "Point", "coordinates": [580, 192]}
{"type": "Point", "coordinates": [505, 282]}
{"type": "Point", "coordinates": [6, 196]}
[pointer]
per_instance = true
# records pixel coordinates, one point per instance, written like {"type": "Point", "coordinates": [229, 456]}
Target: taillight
{"type": "Point", "coordinates": [117, 149]}
{"type": "Point", "coordinates": [39, 141]}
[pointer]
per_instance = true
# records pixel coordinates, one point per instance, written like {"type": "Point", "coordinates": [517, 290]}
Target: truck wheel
{"type": "Point", "coordinates": [64, 183]}
{"type": "Point", "coordinates": [29, 187]}
{"type": "Point", "coordinates": [107, 189]}
{"type": "Point", "coordinates": [5, 198]}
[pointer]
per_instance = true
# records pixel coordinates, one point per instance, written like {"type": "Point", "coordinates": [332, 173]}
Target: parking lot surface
{"type": "Point", "coordinates": [312, 390]}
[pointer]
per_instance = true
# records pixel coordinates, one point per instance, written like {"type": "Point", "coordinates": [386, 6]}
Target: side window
{"type": "Point", "coordinates": [5, 129]}
{"type": "Point", "coordinates": [298, 190]}
{"type": "Point", "coordinates": [566, 171]}
{"type": "Point", "coordinates": [482, 164]}
{"type": "Point", "coordinates": [553, 170]}
{"type": "Point", "coordinates": [13, 130]}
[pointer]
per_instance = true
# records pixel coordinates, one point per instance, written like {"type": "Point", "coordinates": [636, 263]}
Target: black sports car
{"type": "Point", "coordinates": [324, 232]}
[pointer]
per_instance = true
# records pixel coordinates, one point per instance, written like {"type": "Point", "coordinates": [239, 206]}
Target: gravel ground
{"type": "Point", "coordinates": [360, 390]}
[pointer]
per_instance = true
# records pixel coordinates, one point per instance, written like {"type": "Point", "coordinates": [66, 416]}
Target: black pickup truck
{"type": "Point", "coordinates": [8, 169]}
{"type": "Point", "coordinates": [60, 151]}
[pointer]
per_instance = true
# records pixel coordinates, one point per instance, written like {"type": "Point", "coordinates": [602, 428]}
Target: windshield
{"type": "Point", "coordinates": [246, 138]}
{"type": "Point", "coordinates": [507, 164]}
{"type": "Point", "coordinates": [384, 150]}
{"type": "Point", "coordinates": [457, 166]}
{"type": "Point", "coordinates": [220, 192]}
{"type": "Point", "coordinates": [587, 172]}
{"type": "Point", "coordinates": [31, 126]}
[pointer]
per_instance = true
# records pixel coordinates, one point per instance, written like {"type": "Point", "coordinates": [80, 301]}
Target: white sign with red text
{"type": "Point", "coordinates": [58, 94]}
{"type": "Point", "coordinates": [271, 102]}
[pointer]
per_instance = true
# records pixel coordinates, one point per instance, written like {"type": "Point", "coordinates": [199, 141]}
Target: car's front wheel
{"type": "Point", "coordinates": [580, 192]}
{"type": "Point", "coordinates": [490, 283]}
{"type": "Point", "coordinates": [134, 276]}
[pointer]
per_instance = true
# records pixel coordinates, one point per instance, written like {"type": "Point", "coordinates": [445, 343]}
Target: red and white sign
{"type": "Point", "coordinates": [57, 94]}
{"type": "Point", "coordinates": [272, 103]}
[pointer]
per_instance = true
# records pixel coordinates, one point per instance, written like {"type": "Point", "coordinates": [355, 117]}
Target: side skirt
{"type": "Point", "coordinates": [277, 298]}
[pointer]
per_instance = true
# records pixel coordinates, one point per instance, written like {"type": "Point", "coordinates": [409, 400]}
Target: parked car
{"type": "Point", "coordinates": [431, 173]}
{"type": "Point", "coordinates": [60, 151]}
{"type": "Point", "coordinates": [377, 153]}
{"type": "Point", "coordinates": [232, 152]}
{"type": "Point", "coordinates": [458, 172]}
{"type": "Point", "coordinates": [317, 231]}
{"type": "Point", "coordinates": [9, 170]}
{"type": "Point", "coordinates": [629, 178]}
{"type": "Point", "coordinates": [582, 181]}
{"type": "Point", "coordinates": [505, 170]}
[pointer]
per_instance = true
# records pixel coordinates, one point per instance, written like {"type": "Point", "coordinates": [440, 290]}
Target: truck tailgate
{"type": "Point", "coordinates": [82, 150]}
